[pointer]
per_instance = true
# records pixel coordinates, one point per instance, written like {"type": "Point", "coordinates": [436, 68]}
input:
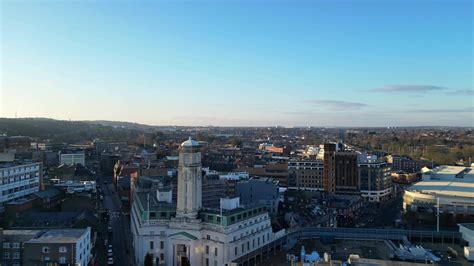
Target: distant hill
{"type": "Point", "coordinates": [120, 124]}
{"type": "Point", "coordinates": [71, 131]}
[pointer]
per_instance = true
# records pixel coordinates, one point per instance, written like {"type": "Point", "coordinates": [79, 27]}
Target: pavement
{"type": "Point", "coordinates": [121, 237]}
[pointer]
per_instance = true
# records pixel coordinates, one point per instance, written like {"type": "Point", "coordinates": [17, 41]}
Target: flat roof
{"type": "Point", "coordinates": [154, 204]}
{"type": "Point", "coordinates": [469, 226]}
{"type": "Point", "coordinates": [59, 236]}
{"type": "Point", "coordinates": [17, 163]}
{"type": "Point", "coordinates": [19, 235]}
{"type": "Point", "coordinates": [452, 187]}
{"type": "Point", "coordinates": [450, 169]}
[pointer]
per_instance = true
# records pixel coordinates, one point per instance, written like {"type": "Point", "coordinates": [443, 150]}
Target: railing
{"type": "Point", "coordinates": [350, 233]}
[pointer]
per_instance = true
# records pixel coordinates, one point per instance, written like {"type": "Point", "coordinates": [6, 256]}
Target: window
{"type": "Point", "coordinates": [248, 245]}
{"type": "Point", "coordinates": [207, 261]}
{"type": "Point", "coordinates": [215, 251]}
{"type": "Point", "coordinates": [235, 251]}
{"type": "Point", "coordinates": [215, 263]}
{"type": "Point", "coordinates": [208, 237]}
{"type": "Point", "coordinates": [151, 245]}
{"type": "Point", "coordinates": [6, 255]}
{"type": "Point", "coordinates": [62, 260]}
{"type": "Point", "coordinates": [16, 245]}
{"type": "Point", "coordinates": [207, 249]}
{"type": "Point", "coordinates": [162, 257]}
{"type": "Point", "coordinates": [16, 255]}
{"type": "Point", "coordinates": [62, 249]}
{"type": "Point", "coordinates": [162, 244]}
{"type": "Point", "coordinates": [45, 249]}
{"type": "Point", "coordinates": [243, 248]}
{"type": "Point", "coordinates": [6, 244]}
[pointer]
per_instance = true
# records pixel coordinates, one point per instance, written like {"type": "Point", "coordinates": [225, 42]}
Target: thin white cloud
{"type": "Point", "coordinates": [446, 110]}
{"type": "Point", "coordinates": [462, 92]}
{"type": "Point", "coordinates": [408, 89]}
{"type": "Point", "coordinates": [335, 105]}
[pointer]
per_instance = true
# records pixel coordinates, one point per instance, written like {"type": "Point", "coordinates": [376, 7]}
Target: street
{"type": "Point", "coordinates": [120, 237]}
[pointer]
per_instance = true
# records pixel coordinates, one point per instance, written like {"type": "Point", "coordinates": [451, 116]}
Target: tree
{"type": "Point", "coordinates": [236, 142]}
{"type": "Point", "coordinates": [148, 260]}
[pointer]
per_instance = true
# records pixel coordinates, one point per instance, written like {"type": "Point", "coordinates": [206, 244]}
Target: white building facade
{"type": "Point", "coordinates": [186, 234]}
{"type": "Point", "coordinates": [73, 158]}
{"type": "Point", "coordinates": [59, 246]}
{"type": "Point", "coordinates": [451, 186]}
{"type": "Point", "coordinates": [19, 180]}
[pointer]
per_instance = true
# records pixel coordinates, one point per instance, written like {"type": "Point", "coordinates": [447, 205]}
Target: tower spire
{"type": "Point", "coordinates": [189, 180]}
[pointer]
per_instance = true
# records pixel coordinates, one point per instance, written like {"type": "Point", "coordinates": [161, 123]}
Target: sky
{"type": "Point", "coordinates": [240, 63]}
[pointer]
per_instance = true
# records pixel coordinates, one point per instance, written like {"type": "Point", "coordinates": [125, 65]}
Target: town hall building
{"type": "Point", "coordinates": [184, 233]}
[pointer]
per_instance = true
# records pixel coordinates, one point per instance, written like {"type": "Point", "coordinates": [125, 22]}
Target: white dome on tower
{"type": "Point", "coordinates": [190, 143]}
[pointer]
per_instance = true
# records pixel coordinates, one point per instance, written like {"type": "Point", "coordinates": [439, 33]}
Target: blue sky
{"type": "Point", "coordinates": [240, 63]}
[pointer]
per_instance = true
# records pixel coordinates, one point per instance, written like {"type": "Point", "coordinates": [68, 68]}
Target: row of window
{"type": "Point", "coordinates": [11, 245]}
{"type": "Point", "coordinates": [207, 251]}
{"type": "Point", "coordinates": [17, 170]}
{"type": "Point", "coordinates": [18, 178]}
{"type": "Point", "coordinates": [236, 251]}
{"type": "Point", "coordinates": [62, 249]}
{"type": "Point", "coordinates": [152, 245]}
{"type": "Point", "coordinates": [16, 255]}
{"type": "Point", "coordinates": [207, 262]}
{"type": "Point", "coordinates": [260, 228]}
{"type": "Point", "coordinates": [62, 260]}
{"type": "Point", "coordinates": [20, 188]}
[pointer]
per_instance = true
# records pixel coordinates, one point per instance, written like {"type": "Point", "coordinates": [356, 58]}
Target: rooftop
{"type": "Point", "coordinates": [59, 236]}
{"type": "Point", "coordinates": [48, 193]}
{"type": "Point", "coordinates": [448, 181]}
{"type": "Point", "coordinates": [469, 226]}
{"type": "Point", "coordinates": [19, 235]}
{"type": "Point", "coordinates": [152, 202]}
{"type": "Point", "coordinates": [450, 170]}
{"type": "Point", "coordinates": [16, 163]}
{"type": "Point", "coordinates": [461, 188]}
{"type": "Point", "coordinates": [190, 143]}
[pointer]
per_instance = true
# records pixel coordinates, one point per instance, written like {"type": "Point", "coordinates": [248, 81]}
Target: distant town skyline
{"type": "Point", "coordinates": [240, 63]}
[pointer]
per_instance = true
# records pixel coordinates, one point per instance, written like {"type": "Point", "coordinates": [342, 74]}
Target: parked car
{"type": "Point", "coordinates": [110, 261]}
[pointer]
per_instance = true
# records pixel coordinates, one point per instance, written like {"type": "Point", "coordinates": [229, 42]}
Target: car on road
{"type": "Point", "coordinates": [109, 229]}
{"type": "Point", "coordinates": [110, 253]}
{"type": "Point", "coordinates": [101, 197]}
{"type": "Point", "coordinates": [110, 261]}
